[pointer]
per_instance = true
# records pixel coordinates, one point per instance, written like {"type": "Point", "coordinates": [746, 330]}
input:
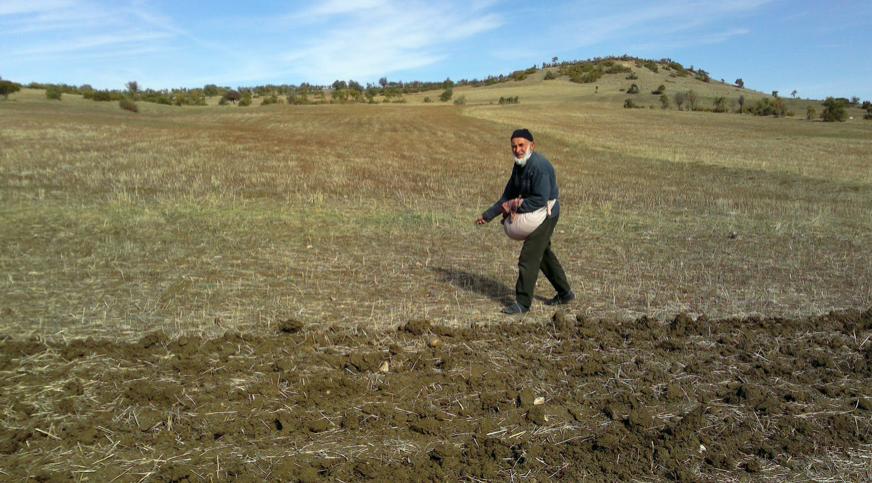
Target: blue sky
{"type": "Point", "coordinates": [818, 48]}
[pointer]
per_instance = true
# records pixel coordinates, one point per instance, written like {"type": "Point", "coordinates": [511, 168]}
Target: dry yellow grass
{"type": "Point", "coordinates": [217, 218]}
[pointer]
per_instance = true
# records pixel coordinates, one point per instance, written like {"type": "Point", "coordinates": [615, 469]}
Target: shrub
{"type": "Point", "coordinates": [834, 110]}
{"type": "Point", "coordinates": [632, 76]}
{"type": "Point", "coordinates": [679, 69]}
{"type": "Point", "coordinates": [518, 75]}
{"type": "Point", "coordinates": [664, 101]}
{"type": "Point", "coordinates": [460, 101]}
{"type": "Point", "coordinates": [210, 90]}
{"type": "Point", "coordinates": [223, 101]}
{"type": "Point", "coordinates": [634, 89]}
{"type": "Point", "coordinates": [659, 90]}
{"type": "Point", "coordinates": [273, 99]}
{"type": "Point", "coordinates": [780, 107]}
{"type": "Point", "coordinates": [618, 69]}
{"type": "Point", "coordinates": [53, 93]}
{"type": "Point", "coordinates": [128, 105]}
{"type": "Point", "coordinates": [629, 104]}
{"type": "Point", "coordinates": [680, 97]}
{"type": "Point", "coordinates": [720, 104]}
{"type": "Point", "coordinates": [763, 107]}
{"type": "Point", "coordinates": [810, 112]}
{"type": "Point", "coordinates": [101, 96]}
{"type": "Point", "coordinates": [586, 76]}
{"type": "Point", "coordinates": [691, 99]}
{"type": "Point", "coordinates": [550, 75]}
{"type": "Point", "coordinates": [446, 95]}
{"type": "Point", "coordinates": [427, 99]}
{"type": "Point", "coordinates": [232, 95]}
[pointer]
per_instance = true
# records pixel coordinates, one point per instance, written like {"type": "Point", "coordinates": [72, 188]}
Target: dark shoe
{"type": "Point", "coordinates": [515, 308]}
{"type": "Point", "coordinates": [561, 299]}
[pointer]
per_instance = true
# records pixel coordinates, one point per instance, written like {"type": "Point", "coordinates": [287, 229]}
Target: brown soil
{"type": "Point", "coordinates": [566, 399]}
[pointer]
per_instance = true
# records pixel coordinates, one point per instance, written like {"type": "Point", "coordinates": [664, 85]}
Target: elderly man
{"type": "Point", "coordinates": [532, 186]}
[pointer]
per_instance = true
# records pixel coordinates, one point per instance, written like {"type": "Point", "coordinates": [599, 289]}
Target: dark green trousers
{"type": "Point", "coordinates": [536, 255]}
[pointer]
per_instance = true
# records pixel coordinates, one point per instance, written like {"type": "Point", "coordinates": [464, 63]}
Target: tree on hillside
{"type": "Point", "coordinates": [53, 93]}
{"type": "Point", "coordinates": [132, 88]}
{"type": "Point", "coordinates": [680, 97]}
{"type": "Point", "coordinates": [740, 83]}
{"type": "Point", "coordinates": [8, 87]}
{"type": "Point", "coordinates": [793, 94]}
{"type": "Point", "coordinates": [691, 99]}
{"type": "Point", "coordinates": [232, 95]}
{"type": "Point", "coordinates": [834, 110]}
{"type": "Point", "coordinates": [779, 107]}
{"type": "Point", "coordinates": [741, 104]}
{"type": "Point", "coordinates": [446, 95]}
{"type": "Point", "coordinates": [211, 90]}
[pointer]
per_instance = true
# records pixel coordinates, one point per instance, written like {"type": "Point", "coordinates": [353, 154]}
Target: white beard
{"type": "Point", "coordinates": [523, 161]}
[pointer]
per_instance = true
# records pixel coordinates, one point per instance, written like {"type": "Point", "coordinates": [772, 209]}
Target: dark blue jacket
{"type": "Point", "coordinates": [535, 182]}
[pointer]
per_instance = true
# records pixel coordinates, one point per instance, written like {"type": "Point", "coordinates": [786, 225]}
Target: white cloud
{"type": "Point", "coordinates": [17, 7]}
{"type": "Point", "coordinates": [372, 38]}
{"type": "Point", "coordinates": [339, 7]}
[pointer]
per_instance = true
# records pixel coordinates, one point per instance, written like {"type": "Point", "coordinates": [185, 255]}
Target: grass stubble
{"type": "Point", "coordinates": [203, 221]}
{"type": "Point", "coordinates": [200, 220]}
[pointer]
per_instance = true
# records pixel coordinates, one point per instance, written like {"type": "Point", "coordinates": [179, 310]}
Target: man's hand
{"type": "Point", "coordinates": [510, 207]}
{"type": "Point", "coordinates": [481, 221]}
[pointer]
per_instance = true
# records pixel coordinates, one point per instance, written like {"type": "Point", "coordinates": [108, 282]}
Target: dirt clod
{"type": "Point", "coordinates": [689, 400]}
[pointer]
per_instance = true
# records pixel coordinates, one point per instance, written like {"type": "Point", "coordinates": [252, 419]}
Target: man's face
{"type": "Point", "coordinates": [520, 146]}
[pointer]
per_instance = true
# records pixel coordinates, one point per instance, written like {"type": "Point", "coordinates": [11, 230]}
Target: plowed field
{"type": "Point", "coordinates": [560, 399]}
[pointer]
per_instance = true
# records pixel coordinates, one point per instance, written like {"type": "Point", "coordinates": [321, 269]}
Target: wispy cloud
{"type": "Point", "coordinates": [16, 7]}
{"type": "Point", "coordinates": [643, 23]}
{"type": "Point", "coordinates": [375, 37]}
{"type": "Point", "coordinates": [55, 27]}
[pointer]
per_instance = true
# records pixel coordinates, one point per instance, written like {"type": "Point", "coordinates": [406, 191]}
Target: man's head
{"type": "Point", "coordinates": [522, 146]}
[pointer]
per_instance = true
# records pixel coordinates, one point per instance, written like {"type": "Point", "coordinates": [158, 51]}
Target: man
{"type": "Point", "coordinates": [532, 186]}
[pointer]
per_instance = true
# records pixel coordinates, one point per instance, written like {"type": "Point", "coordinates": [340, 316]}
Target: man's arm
{"type": "Point", "coordinates": [496, 208]}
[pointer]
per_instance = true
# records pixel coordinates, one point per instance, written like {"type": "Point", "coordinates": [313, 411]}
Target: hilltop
{"type": "Point", "coordinates": [623, 81]}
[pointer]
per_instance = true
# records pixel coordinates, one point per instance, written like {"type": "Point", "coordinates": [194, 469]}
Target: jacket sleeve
{"type": "Point", "coordinates": [496, 208]}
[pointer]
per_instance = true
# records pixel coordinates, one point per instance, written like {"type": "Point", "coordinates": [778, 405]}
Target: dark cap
{"type": "Point", "coordinates": [522, 133]}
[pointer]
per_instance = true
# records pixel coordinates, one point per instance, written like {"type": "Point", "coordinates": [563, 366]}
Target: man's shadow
{"type": "Point", "coordinates": [472, 282]}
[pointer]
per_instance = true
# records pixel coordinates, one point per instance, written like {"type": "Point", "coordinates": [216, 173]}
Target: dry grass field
{"type": "Point", "coordinates": [286, 244]}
